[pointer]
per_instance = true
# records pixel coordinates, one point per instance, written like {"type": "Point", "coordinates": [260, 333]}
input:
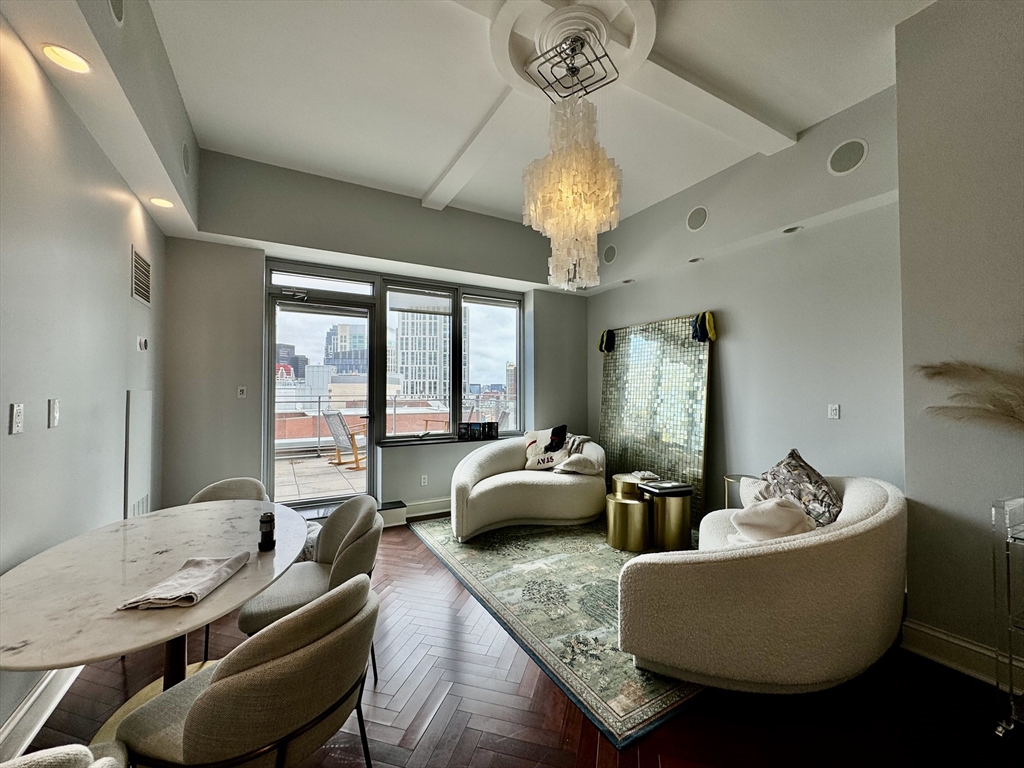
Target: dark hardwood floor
{"type": "Point", "coordinates": [455, 690]}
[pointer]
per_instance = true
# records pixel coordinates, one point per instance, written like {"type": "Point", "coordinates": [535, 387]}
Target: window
{"type": "Point", "coordinates": [490, 361]}
{"type": "Point", "coordinates": [419, 382]}
{"type": "Point", "coordinates": [312, 282]}
{"type": "Point", "coordinates": [442, 353]}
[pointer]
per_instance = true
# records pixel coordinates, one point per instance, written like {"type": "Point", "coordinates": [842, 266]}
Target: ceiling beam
{"type": "Point", "coordinates": [665, 82]}
{"type": "Point", "coordinates": [493, 132]}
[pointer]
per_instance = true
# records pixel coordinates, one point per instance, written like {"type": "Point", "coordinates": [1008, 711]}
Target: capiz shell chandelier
{"type": "Point", "coordinates": [572, 194]}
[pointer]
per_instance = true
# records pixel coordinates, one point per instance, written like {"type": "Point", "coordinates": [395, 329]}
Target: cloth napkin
{"type": "Point", "coordinates": [197, 578]}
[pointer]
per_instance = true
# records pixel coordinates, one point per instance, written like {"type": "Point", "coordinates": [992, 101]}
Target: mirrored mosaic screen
{"type": "Point", "coordinates": [654, 404]}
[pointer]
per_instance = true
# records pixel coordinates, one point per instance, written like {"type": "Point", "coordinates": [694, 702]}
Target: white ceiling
{"type": "Point", "coordinates": [387, 94]}
{"type": "Point", "coordinates": [790, 62]}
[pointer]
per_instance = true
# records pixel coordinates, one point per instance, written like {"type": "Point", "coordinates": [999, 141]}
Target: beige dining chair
{"type": "Point", "coordinates": [244, 488]}
{"type": "Point", "coordinates": [232, 489]}
{"type": "Point", "coordinates": [347, 546]}
{"type": "Point", "coordinates": [107, 755]}
{"type": "Point", "coordinates": [272, 701]}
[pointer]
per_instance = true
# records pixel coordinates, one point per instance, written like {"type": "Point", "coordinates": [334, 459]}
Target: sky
{"type": "Point", "coordinates": [492, 338]}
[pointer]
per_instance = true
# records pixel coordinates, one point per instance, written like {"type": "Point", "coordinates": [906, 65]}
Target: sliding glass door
{"type": "Point", "coordinates": [320, 372]}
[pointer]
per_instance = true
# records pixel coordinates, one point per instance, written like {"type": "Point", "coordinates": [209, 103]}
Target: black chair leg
{"type": "Point", "coordinates": [206, 645]}
{"type": "Point", "coordinates": [362, 727]}
{"type": "Point", "coordinates": [373, 663]}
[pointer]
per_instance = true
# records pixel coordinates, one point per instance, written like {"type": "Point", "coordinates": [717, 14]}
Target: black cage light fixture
{"type": "Point", "coordinates": [579, 64]}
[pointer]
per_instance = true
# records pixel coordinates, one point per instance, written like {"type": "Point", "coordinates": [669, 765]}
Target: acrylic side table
{"type": "Point", "coordinates": [1008, 578]}
{"type": "Point", "coordinates": [732, 483]}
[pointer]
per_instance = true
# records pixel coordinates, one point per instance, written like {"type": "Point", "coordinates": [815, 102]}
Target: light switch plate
{"type": "Point", "coordinates": [16, 424]}
{"type": "Point", "coordinates": [52, 412]}
{"type": "Point", "coordinates": [833, 411]}
{"type": "Point", "coordinates": [242, 392]}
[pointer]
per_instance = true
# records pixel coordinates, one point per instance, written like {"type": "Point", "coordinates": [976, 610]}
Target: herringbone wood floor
{"type": "Point", "coordinates": [455, 690]}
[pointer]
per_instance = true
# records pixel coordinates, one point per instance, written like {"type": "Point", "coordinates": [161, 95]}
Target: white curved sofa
{"type": "Point", "coordinates": [491, 489]}
{"type": "Point", "coordinates": [800, 613]}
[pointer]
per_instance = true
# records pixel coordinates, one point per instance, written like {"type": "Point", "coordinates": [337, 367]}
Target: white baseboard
{"type": "Point", "coordinates": [428, 507]}
{"type": "Point", "coordinates": [961, 654]}
{"type": "Point", "coordinates": [24, 723]}
{"type": "Point", "coordinates": [393, 516]}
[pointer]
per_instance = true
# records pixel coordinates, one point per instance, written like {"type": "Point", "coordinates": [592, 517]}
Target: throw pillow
{"type": "Point", "coordinates": [546, 448]}
{"type": "Point", "coordinates": [578, 464]}
{"type": "Point", "coordinates": [795, 479]}
{"type": "Point", "coordinates": [771, 519]}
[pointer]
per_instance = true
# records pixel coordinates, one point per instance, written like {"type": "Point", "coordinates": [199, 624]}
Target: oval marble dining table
{"type": "Point", "coordinates": [59, 608]}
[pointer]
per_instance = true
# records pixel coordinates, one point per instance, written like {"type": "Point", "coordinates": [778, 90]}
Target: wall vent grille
{"type": "Point", "coordinates": [140, 507]}
{"type": "Point", "coordinates": [142, 273]}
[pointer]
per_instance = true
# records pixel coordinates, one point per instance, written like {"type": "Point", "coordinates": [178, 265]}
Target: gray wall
{"type": "Point", "coordinates": [401, 467]}
{"type": "Point", "coordinates": [69, 324]}
{"type": "Point", "coordinates": [245, 198]}
{"type": "Point", "coordinates": [803, 321]}
{"type": "Point", "coordinates": [961, 165]}
{"type": "Point", "coordinates": [214, 328]}
{"type": "Point", "coordinates": [556, 360]}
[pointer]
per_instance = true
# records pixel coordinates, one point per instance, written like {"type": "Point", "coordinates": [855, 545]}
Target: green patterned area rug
{"type": "Point", "coordinates": [556, 590]}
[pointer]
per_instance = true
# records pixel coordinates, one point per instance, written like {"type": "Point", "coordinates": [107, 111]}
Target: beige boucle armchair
{"type": "Point", "coordinates": [491, 489]}
{"type": "Point", "coordinates": [800, 613]}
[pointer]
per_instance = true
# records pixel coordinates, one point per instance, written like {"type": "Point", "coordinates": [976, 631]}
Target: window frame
{"type": "Point", "coordinates": [382, 283]}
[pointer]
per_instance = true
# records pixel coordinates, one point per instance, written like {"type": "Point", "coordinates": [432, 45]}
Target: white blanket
{"type": "Point", "coordinates": [769, 519]}
{"type": "Point", "coordinates": [189, 584]}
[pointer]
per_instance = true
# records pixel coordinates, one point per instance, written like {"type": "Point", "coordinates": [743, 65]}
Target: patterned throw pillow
{"type": "Point", "coordinates": [546, 448]}
{"type": "Point", "coordinates": [794, 478]}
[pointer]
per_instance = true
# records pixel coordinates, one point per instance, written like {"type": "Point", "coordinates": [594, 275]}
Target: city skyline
{"type": "Point", "coordinates": [492, 338]}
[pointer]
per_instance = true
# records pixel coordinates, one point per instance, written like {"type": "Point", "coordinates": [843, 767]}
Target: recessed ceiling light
{"type": "Point", "coordinates": [159, 202]}
{"type": "Point", "coordinates": [694, 261]}
{"type": "Point", "coordinates": [791, 230]}
{"type": "Point", "coordinates": [65, 58]}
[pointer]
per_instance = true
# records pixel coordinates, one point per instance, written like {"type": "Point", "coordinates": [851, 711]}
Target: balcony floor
{"type": "Point", "coordinates": [311, 477]}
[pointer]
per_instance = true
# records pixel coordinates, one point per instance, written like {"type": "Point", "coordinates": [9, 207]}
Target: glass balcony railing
{"type": "Point", "coordinates": [300, 427]}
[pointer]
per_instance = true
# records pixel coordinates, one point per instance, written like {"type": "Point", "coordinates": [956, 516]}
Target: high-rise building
{"type": "Point", "coordinates": [424, 354]}
{"type": "Point", "coordinates": [392, 351]}
{"type": "Point", "coordinates": [299, 363]}
{"type": "Point", "coordinates": [510, 380]}
{"type": "Point", "coordinates": [285, 353]}
{"type": "Point", "coordinates": [347, 348]}
{"type": "Point", "coordinates": [422, 343]}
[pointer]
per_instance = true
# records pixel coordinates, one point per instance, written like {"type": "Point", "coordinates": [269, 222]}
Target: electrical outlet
{"type": "Point", "coordinates": [833, 411]}
{"type": "Point", "coordinates": [423, 479]}
{"type": "Point", "coordinates": [17, 421]}
{"type": "Point", "coordinates": [52, 412]}
{"type": "Point", "coordinates": [242, 392]}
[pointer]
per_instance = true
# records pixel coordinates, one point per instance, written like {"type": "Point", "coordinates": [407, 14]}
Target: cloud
{"type": "Point", "coordinates": [492, 342]}
{"type": "Point", "coordinates": [307, 332]}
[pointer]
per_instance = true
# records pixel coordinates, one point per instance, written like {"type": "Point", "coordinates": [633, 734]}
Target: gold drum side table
{"type": "Point", "coordinates": [670, 502]}
{"type": "Point", "coordinates": [627, 523]}
{"type": "Point", "coordinates": [626, 484]}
